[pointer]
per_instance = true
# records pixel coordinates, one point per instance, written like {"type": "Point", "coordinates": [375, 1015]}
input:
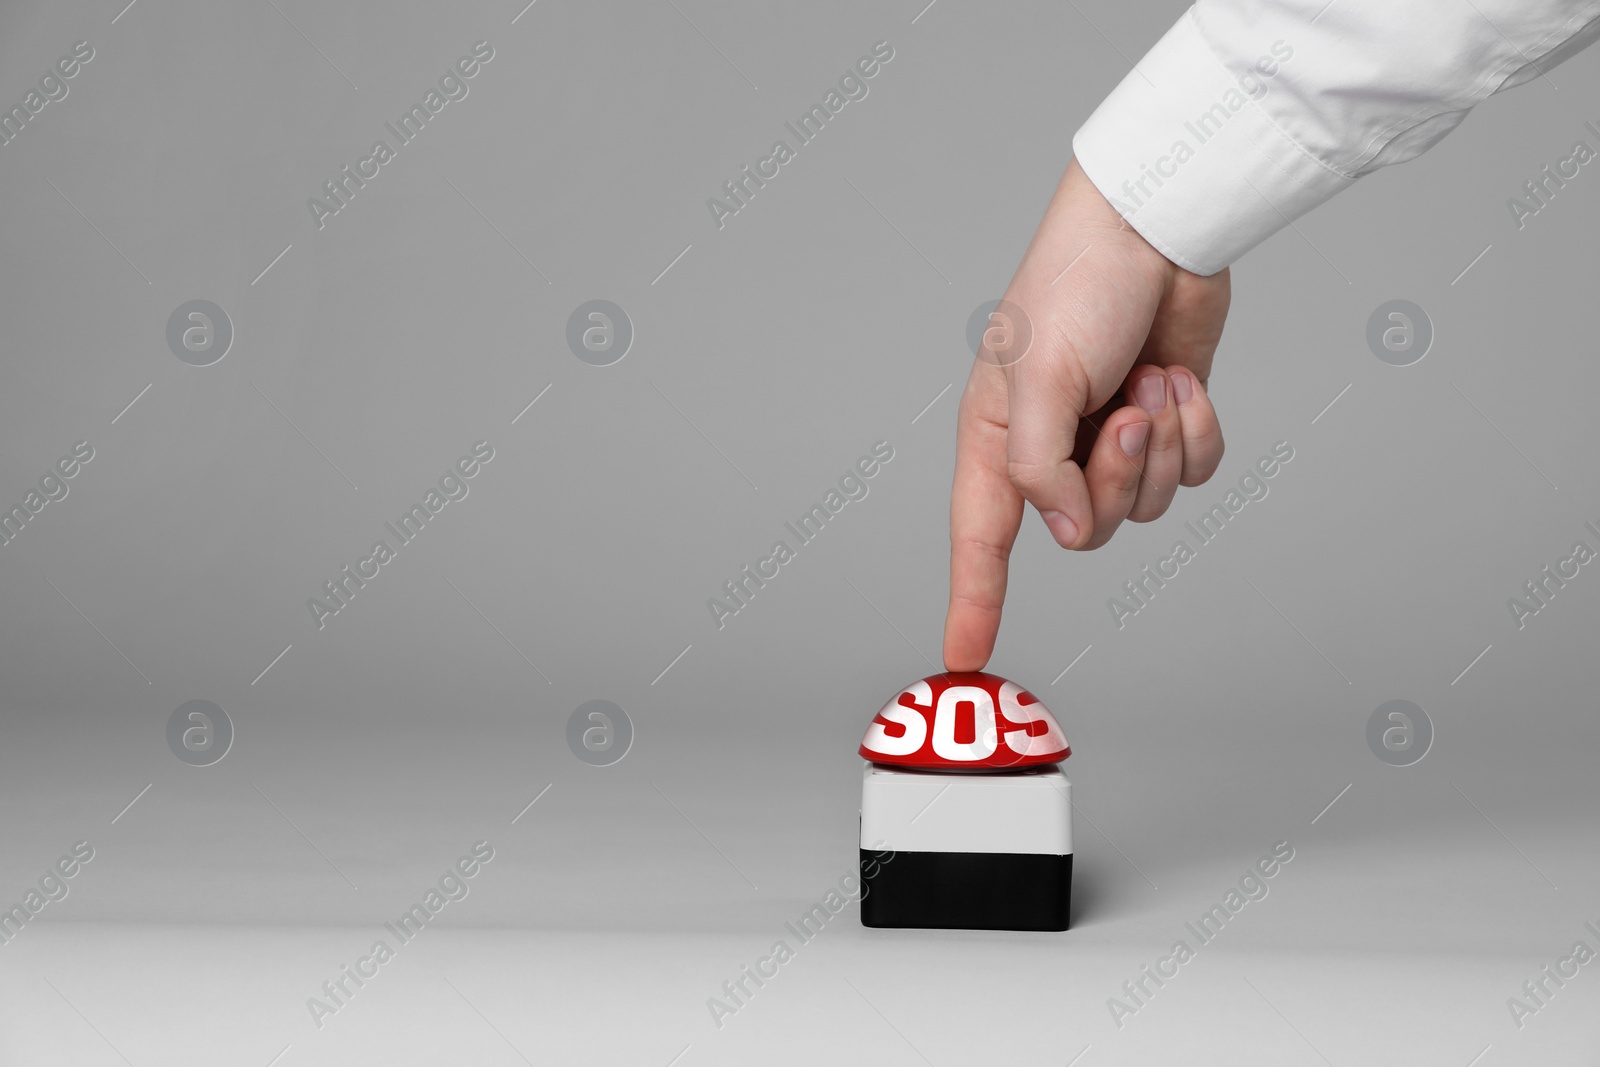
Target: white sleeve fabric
{"type": "Point", "coordinates": [1249, 113]}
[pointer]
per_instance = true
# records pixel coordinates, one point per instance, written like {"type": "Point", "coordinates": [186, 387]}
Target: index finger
{"type": "Point", "coordinates": [985, 514]}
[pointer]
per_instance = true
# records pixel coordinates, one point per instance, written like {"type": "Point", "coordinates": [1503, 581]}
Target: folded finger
{"type": "Point", "coordinates": [1202, 433]}
{"type": "Point", "coordinates": [1116, 470]}
{"type": "Point", "coordinates": [1163, 455]}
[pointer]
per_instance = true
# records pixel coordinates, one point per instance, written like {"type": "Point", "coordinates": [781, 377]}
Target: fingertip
{"type": "Point", "coordinates": [1202, 433]}
{"type": "Point", "coordinates": [965, 650]}
{"type": "Point", "coordinates": [1184, 385]}
{"type": "Point", "coordinates": [1148, 389]}
{"type": "Point", "coordinates": [1133, 437]}
{"type": "Point", "coordinates": [960, 663]}
{"type": "Point", "coordinates": [1062, 527]}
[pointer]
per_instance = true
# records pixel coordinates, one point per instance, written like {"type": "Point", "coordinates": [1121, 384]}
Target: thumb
{"type": "Point", "coordinates": [1088, 330]}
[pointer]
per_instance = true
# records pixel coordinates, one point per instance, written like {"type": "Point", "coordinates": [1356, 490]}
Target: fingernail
{"type": "Point", "coordinates": [1132, 438]}
{"type": "Point", "coordinates": [1151, 392]}
{"type": "Point", "coordinates": [1062, 528]}
{"type": "Point", "coordinates": [1182, 386]}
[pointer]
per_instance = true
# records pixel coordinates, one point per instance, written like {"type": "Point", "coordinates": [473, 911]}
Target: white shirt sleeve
{"type": "Point", "coordinates": [1249, 113]}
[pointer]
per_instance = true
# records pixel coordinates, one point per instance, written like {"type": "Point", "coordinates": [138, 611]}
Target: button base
{"type": "Point", "coordinates": [966, 890]}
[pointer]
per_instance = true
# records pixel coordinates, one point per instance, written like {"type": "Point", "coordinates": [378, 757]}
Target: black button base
{"type": "Point", "coordinates": [965, 890]}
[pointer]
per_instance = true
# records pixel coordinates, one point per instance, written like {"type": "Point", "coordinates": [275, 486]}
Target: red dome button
{"type": "Point", "coordinates": [964, 721]}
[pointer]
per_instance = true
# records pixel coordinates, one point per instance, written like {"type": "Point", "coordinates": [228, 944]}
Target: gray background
{"type": "Point", "coordinates": [824, 317]}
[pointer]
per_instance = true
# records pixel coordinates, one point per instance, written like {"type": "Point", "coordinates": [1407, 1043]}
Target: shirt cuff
{"type": "Point", "coordinates": [1183, 149]}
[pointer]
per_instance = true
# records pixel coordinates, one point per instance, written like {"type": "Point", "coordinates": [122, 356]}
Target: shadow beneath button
{"type": "Point", "coordinates": [1091, 891]}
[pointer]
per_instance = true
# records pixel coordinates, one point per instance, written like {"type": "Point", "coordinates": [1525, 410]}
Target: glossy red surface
{"type": "Point", "coordinates": [969, 721]}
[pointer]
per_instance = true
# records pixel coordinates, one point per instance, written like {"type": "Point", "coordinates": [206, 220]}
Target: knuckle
{"type": "Point", "coordinates": [1198, 473]}
{"type": "Point", "coordinates": [1027, 476]}
{"type": "Point", "coordinates": [1123, 477]}
{"type": "Point", "coordinates": [979, 546]}
{"type": "Point", "coordinates": [1150, 512]}
{"type": "Point", "coordinates": [986, 605]}
{"type": "Point", "coordinates": [1163, 440]}
{"type": "Point", "coordinates": [1204, 443]}
{"type": "Point", "coordinates": [1203, 433]}
{"type": "Point", "coordinates": [1100, 538]}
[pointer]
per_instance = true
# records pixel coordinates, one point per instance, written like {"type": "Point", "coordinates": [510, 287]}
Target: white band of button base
{"type": "Point", "coordinates": [1027, 812]}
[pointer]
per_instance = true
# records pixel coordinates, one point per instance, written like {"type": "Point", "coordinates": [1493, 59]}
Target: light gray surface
{"type": "Point", "coordinates": [822, 318]}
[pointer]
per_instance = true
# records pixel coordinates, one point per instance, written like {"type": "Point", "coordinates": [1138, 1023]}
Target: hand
{"type": "Point", "coordinates": [1100, 419]}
